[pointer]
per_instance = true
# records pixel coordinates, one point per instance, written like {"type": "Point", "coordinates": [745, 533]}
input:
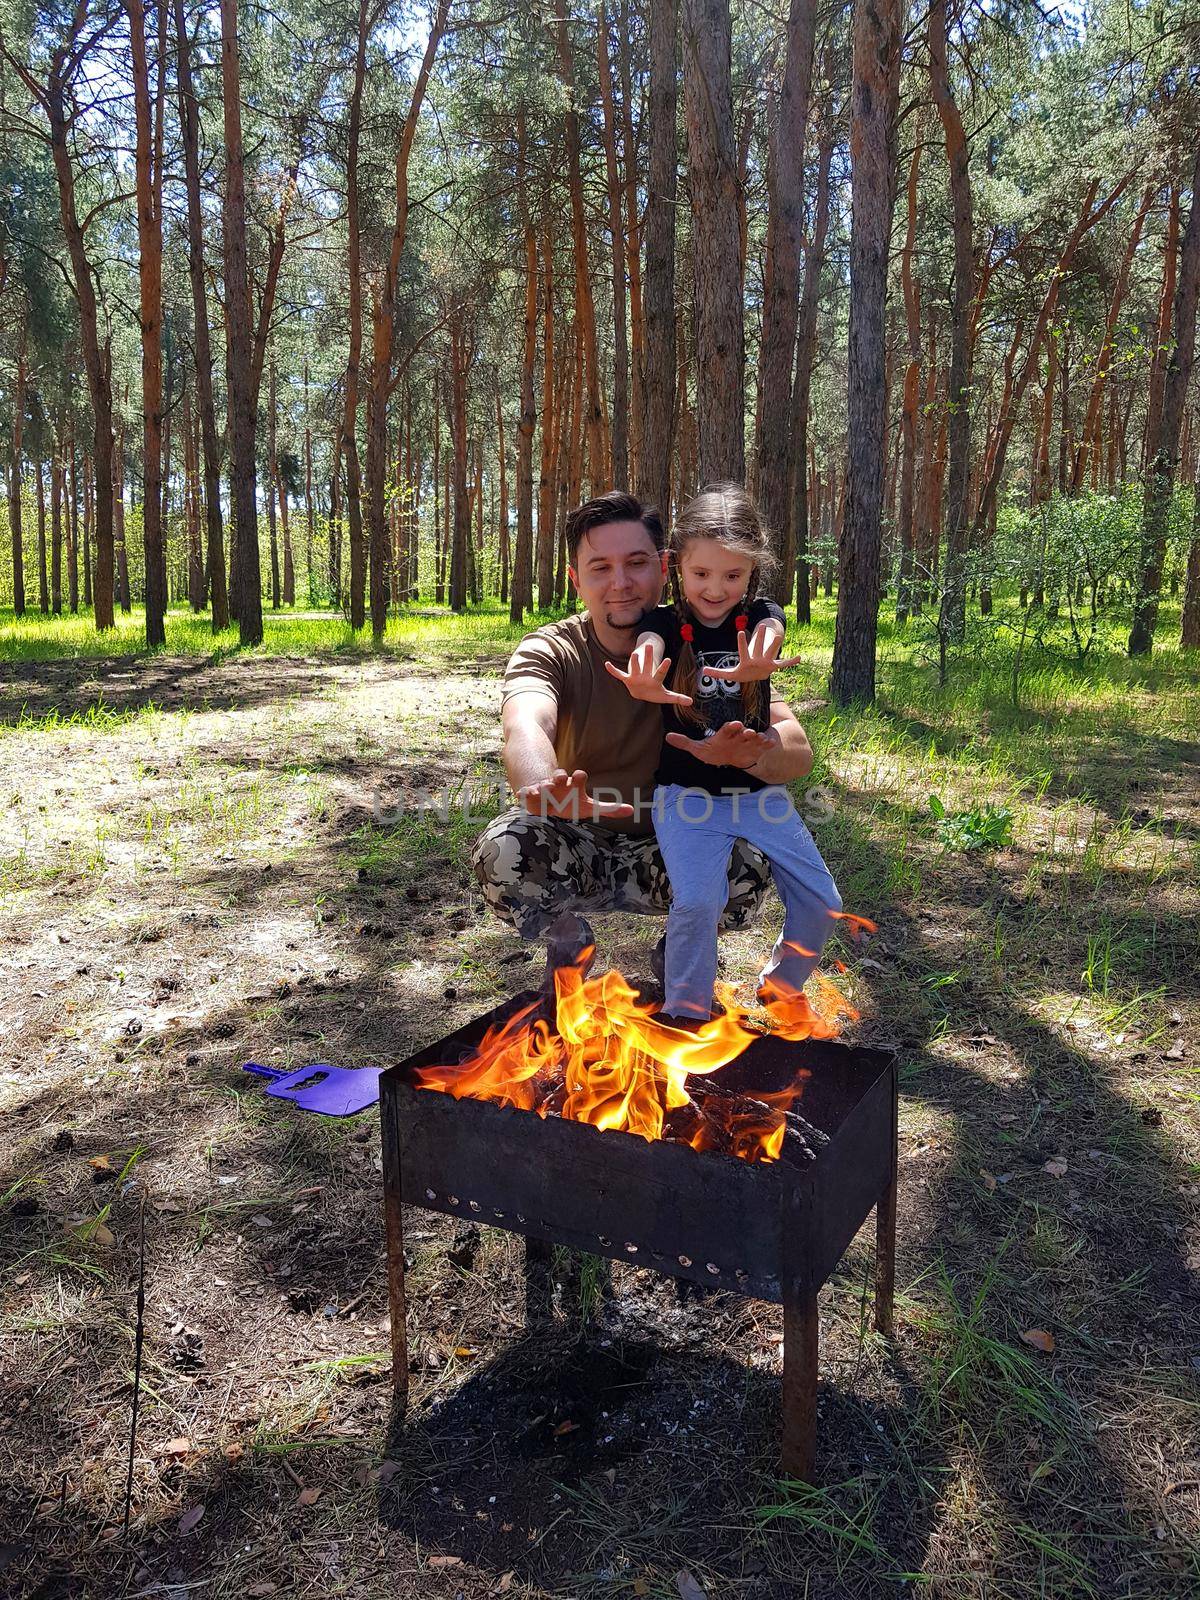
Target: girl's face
{"type": "Point", "coordinates": [714, 579]}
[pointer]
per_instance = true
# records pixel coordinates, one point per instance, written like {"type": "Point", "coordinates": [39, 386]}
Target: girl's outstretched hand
{"type": "Point", "coordinates": [645, 681]}
{"type": "Point", "coordinates": [733, 745]}
{"type": "Point", "coordinates": [758, 658]}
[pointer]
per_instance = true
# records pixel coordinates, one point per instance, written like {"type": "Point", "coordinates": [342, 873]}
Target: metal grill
{"type": "Point", "coordinates": [770, 1230]}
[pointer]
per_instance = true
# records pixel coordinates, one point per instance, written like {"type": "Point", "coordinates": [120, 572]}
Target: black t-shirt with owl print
{"type": "Point", "coordinates": [716, 701]}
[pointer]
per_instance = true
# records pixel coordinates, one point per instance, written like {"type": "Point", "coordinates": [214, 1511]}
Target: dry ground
{"type": "Point", "coordinates": [193, 886]}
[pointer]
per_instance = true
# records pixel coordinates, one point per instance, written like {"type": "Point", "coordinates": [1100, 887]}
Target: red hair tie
{"type": "Point", "coordinates": [741, 622]}
{"type": "Point", "coordinates": [687, 633]}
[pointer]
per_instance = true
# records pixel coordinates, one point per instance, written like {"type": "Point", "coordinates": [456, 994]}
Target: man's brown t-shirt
{"type": "Point", "coordinates": [601, 728]}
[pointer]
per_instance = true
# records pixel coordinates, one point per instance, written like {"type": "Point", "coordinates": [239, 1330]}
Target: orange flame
{"type": "Point", "coordinates": [613, 1062]}
{"type": "Point", "coordinates": [856, 926]}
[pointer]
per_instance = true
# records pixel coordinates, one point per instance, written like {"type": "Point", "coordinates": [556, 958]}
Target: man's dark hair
{"type": "Point", "coordinates": [615, 506]}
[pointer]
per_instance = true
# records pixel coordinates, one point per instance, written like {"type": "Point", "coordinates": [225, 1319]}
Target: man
{"type": "Point", "coordinates": [580, 753]}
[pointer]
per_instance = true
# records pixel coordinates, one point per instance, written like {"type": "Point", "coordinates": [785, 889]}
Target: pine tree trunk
{"type": "Point", "coordinates": [547, 488]}
{"type": "Point", "coordinates": [1114, 419]}
{"type": "Point", "coordinates": [1041, 484]}
{"type": "Point", "coordinates": [14, 484]}
{"type": "Point", "coordinates": [923, 532]}
{"type": "Point", "coordinates": [72, 529]}
{"type": "Point", "coordinates": [97, 359]}
{"type": "Point", "coordinates": [309, 509]}
{"type": "Point", "coordinates": [658, 407]}
{"type": "Point", "coordinates": [1064, 431]}
{"type": "Point", "coordinates": [566, 441]}
{"type": "Point", "coordinates": [87, 530]}
{"type": "Point", "coordinates": [358, 563]}
{"type": "Point", "coordinates": [713, 173]}
{"type": "Point", "coordinates": [447, 517]}
{"type": "Point", "coordinates": [637, 331]}
{"type": "Point", "coordinates": [238, 349]}
{"type": "Point", "coordinates": [620, 411]}
{"type": "Point", "coordinates": [289, 563]}
{"type": "Point", "coordinates": [165, 516]}
{"type": "Point", "coordinates": [1189, 638]}
{"type": "Point", "coordinates": [383, 338]}
{"type": "Point", "coordinates": [806, 349]}
{"type": "Point", "coordinates": [148, 183]}
{"type": "Point", "coordinates": [191, 505]}
{"type": "Point", "coordinates": [912, 394]}
{"type": "Point", "coordinates": [502, 552]}
{"type": "Point", "coordinates": [439, 581]}
{"type": "Point", "coordinates": [522, 575]}
{"type": "Point", "coordinates": [214, 530]}
{"type": "Point", "coordinates": [744, 138]}
{"type": "Point", "coordinates": [272, 479]}
{"type": "Point", "coordinates": [477, 548]}
{"type": "Point", "coordinates": [1166, 301]}
{"type": "Point", "coordinates": [43, 556]}
{"type": "Point", "coordinates": [685, 428]}
{"type": "Point", "coordinates": [394, 510]}
{"type": "Point", "coordinates": [785, 226]}
{"type": "Point", "coordinates": [461, 356]}
{"type": "Point", "coordinates": [56, 532]}
{"type": "Point", "coordinates": [959, 394]}
{"type": "Point", "coordinates": [334, 552]}
{"type": "Point", "coordinates": [1160, 480]}
{"type": "Point", "coordinates": [874, 100]}
{"type": "Point", "coordinates": [585, 316]}
{"type": "Point", "coordinates": [123, 595]}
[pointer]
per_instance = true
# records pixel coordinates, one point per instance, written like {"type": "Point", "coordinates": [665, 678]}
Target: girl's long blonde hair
{"type": "Point", "coordinates": [726, 513]}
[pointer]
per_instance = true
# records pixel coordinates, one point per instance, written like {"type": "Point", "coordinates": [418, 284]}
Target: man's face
{"type": "Point", "coordinates": [620, 574]}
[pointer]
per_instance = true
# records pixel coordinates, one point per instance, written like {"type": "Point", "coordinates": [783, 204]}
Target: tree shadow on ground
{"type": "Point", "coordinates": [1057, 1496]}
{"type": "Point", "coordinates": [1111, 786]}
{"type": "Point", "coordinates": [125, 685]}
{"type": "Point", "coordinates": [594, 1456]}
{"type": "Point", "coordinates": [1046, 1252]}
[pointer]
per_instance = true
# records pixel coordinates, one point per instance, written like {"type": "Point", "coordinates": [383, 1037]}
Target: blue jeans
{"type": "Point", "coordinates": [695, 833]}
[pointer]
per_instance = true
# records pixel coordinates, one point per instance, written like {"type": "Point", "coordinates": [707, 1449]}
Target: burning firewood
{"type": "Point", "coordinates": [750, 1104]}
{"type": "Point", "coordinates": [598, 1053]}
{"type": "Point", "coordinates": [754, 1128]}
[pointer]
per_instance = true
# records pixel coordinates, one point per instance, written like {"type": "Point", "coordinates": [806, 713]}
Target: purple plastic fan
{"type": "Point", "coordinates": [333, 1091]}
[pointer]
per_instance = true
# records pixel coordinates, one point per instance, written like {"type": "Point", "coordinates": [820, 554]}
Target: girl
{"type": "Point", "coordinates": [724, 642]}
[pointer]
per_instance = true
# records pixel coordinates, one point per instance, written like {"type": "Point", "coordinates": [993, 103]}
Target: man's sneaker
{"type": "Point", "coordinates": [571, 936]}
{"type": "Point", "coordinates": [683, 1021]}
{"type": "Point", "coordinates": [658, 962]}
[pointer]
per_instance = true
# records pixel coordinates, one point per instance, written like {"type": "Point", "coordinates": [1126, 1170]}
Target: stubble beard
{"type": "Point", "coordinates": [626, 627]}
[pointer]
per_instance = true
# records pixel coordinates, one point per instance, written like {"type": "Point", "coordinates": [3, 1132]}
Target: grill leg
{"type": "Point", "coordinates": [539, 1290]}
{"type": "Point", "coordinates": [885, 1231]}
{"type": "Point", "coordinates": [885, 1259]}
{"type": "Point", "coordinates": [800, 1343]}
{"type": "Point", "coordinates": [396, 1302]}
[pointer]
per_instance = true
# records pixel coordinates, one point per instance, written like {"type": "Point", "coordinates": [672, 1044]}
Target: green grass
{"type": "Point", "coordinates": [980, 674]}
{"type": "Point", "coordinates": [846, 1531]}
{"type": "Point", "coordinates": [979, 1382]}
{"type": "Point", "coordinates": [430, 629]}
{"type": "Point", "coordinates": [95, 718]}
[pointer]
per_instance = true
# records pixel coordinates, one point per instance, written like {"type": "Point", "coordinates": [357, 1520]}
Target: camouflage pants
{"type": "Point", "coordinates": [532, 869]}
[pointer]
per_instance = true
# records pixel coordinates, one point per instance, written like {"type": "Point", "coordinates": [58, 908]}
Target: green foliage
{"type": "Point", "coordinates": [987, 827]}
{"type": "Point", "coordinates": [1055, 585]}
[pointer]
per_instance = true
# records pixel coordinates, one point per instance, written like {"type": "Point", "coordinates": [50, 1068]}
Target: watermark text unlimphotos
{"type": "Point", "coordinates": [477, 803]}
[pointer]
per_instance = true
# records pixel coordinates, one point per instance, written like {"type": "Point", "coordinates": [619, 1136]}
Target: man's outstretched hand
{"type": "Point", "coordinates": [733, 745]}
{"type": "Point", "coordinates": [565, 794]}
{"type": "Point", "coordinates": [758, 658]}
{"type": "Point", "coordinates": [645, 681]}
